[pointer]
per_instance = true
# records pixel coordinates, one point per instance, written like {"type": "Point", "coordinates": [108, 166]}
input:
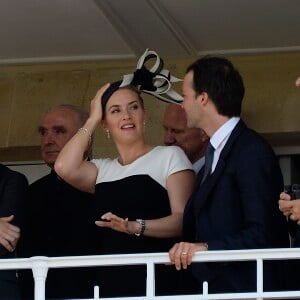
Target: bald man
{"type": "Point", "coordinates": [193, 141]}
{"type": "Point", "coordinates": [59, 219]}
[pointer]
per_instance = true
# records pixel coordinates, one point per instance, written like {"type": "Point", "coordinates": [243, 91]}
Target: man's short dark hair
{"type": "Point", "coordinates": [221, 81]}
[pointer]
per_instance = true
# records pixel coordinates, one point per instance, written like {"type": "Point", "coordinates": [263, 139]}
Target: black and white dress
{"type": "Point", "coordinates": [135, 191]}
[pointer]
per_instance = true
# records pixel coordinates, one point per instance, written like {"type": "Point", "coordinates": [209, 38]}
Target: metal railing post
{"type": "Point", "coordinates": [205, 289]}
{"type": "Point", "coordinates": [96, 292]}
{"type": "Point", "coordinates": [150, 280]}
{"type": "Point", "coordinates": [260, 276]}
{"type": "Point", "coordinates": [39, 270]}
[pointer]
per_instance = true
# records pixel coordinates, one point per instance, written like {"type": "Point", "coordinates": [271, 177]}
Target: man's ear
{"type": "Point", "coordinates": [203, 98]}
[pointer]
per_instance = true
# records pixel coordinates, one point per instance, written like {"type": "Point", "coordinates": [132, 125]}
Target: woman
{"type": "Point", "coordinates": [142, 193]}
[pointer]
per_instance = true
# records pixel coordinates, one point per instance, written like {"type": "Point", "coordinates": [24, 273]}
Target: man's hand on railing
{"type": "Point", "coordinates": [181, 254]}
{"type": "Point", "coordinates": [9, 234]}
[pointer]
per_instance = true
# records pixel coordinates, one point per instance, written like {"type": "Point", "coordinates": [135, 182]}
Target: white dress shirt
{"type": "Point", "coordinates": [220, 137]}
{"type": "Point", "coordinates": [197, 165]}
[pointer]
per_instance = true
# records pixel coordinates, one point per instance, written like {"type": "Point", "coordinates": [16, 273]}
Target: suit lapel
{"type": "Point", "coordinates": [202, 191]}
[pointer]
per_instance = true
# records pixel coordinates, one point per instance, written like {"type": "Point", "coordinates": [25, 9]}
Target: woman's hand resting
{"type": "Point", "coordinates": [109, 220]}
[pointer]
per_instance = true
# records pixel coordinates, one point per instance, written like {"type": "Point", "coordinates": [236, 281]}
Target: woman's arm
{"type": "Point", "coordinates": [70, 164]}
{"type": "Point", "coordinates": [179, 187]}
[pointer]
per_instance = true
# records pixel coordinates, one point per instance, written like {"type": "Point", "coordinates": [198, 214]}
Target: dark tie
{"type": "Point", "coordinates": [209, 156]}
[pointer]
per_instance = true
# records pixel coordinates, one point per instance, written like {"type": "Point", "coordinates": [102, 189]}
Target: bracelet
{"type": "Point", "coordinates": [87, 131]}
{"type": "Point", "coordinates": [143, 227]}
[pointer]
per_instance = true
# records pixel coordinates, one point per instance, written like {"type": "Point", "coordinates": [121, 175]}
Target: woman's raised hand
{"type": "Point", "coordinates": [96, 106]}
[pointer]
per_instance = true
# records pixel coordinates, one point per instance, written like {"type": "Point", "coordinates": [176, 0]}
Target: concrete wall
{"type": "Point", "coordinates": [26, 92]}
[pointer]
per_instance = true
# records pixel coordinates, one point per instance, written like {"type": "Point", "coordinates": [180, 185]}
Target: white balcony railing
{"type": "Point", "coordinates": [40, 266]}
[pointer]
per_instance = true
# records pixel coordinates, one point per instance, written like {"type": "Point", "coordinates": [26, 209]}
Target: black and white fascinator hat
{"type": "Point", "coordinates": [156, 81]}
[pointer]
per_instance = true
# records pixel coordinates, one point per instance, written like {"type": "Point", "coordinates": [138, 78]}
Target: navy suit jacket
{"type": "Point", "coordinates": [237, 208]}
{"type": "Point", "coordinates": [13, 187]}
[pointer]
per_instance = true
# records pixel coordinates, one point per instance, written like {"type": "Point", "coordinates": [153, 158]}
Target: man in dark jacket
{"type": "Point", "coordinates": [13, 187]}
{"type": "Point", "coordinates": [59, 218]}
{"type": "Point", "coordinates": [234, 206]}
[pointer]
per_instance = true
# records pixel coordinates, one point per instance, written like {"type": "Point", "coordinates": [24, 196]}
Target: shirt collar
{"type": "Point", "coordinates": [223, 132]}
{"type": "Point", "coordinates": [197, 165]}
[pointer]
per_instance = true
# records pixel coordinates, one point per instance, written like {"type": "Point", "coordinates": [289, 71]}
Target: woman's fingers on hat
{"type": "Point", "coordinates": [101, 91]}
{"type": "Point", "coordinates": [104, 87]}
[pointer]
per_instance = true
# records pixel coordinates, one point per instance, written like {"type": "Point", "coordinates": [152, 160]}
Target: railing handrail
{"type": "Point", "coordinates": [41, 264]}
{"type": "Point", "coordinates": [156, 258]}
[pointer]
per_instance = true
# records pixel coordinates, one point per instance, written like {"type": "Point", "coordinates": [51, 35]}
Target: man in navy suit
{"type": "Point", "coordinates": [235, 205]}
{"type": "Point", "coordinates": [13, 187]}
